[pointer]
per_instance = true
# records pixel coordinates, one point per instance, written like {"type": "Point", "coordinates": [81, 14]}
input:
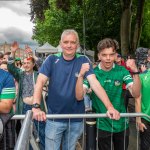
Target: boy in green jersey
{"type": "Point", "coordinates": [111, 77]}
{"type": "Point", "coordinates": [142, 105]}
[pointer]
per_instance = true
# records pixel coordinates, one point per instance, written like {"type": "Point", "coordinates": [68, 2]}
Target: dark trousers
{"type": "Point", "coordinates": [8, 141]}
{"type": "Point", "coordinates": [126, 95]}
{"type": "Point", "coordinates": [107, 140]}
{"type": "Point", "coordinates": [145, 136]}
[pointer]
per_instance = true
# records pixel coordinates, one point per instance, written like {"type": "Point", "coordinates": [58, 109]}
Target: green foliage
{"type": "Point", "coordinates": [101, 19]}
{"type": "Point", "coordinates": [145, 36]}
{"type": "Point", "coordinates": [56, 20]}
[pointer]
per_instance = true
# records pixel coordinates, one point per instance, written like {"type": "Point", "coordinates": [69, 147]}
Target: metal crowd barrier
{"type": "Point", "coordinates": [25, 135]}
{"type": "Point", "coordinates": [71, 116]}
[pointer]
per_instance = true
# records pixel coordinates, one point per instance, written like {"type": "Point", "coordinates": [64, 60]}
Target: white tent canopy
{"type": "Point", "coordinates": [46, 48]}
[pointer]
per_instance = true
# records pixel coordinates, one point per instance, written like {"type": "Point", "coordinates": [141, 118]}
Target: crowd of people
{"type": "Point", "coordinates": [76, 86]}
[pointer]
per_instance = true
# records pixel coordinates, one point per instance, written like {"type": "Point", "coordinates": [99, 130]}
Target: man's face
{"type": "Point", "coordinates": [28, 65]}
{"type": "Point", "coordinates": [4, 67]}
{"type": "Point", "coordinates": [5, 58]}
{"type": "Point", "coordinates": [107, 57]}
{"type": "Point", "coordinates": [69, 45]}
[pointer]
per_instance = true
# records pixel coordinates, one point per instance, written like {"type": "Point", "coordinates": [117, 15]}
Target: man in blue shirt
{"type": "Point", "coordinates": [7, 95]}
{"type": "Point", "coordinates": [63, 71]}
{"type": "Point", "coordinates": [7, 91]}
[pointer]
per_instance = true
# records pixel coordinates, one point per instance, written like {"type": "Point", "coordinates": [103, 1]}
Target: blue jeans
{"type": "Point", "coordinates": [87, 102]}
{"type": "Point", "coordinates": [40, 127]}
{"type": "Point", "coordinates": [66, 133]}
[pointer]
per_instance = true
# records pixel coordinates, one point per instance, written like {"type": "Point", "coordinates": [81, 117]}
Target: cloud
{"type": "Point", "coordinates": [13, 34]}
{"type": "Point", "coordinates": [17, 6]}
{"type": "Point", "coordinates": [10, 19]}
{"type": "Point", "coordinates": [15, 23]}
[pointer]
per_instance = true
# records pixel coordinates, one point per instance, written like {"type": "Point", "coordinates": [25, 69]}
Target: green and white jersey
{"type": "Point", "coordinates": [112, 82]}
{"type": "Point", "coordinates": [145, 92]}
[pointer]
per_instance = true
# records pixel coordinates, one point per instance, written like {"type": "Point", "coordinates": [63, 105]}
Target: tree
{"type": "Point", "coordinates": [93, 20]}
{"type": "Point", "coordinates": [125, 28]}
{"type": "Point", "coordinates": [56, 20]}
{"type": "Point", "coordinates": [138, 25]}
{"type": "Point", "coordinates": [37, 9]}
{"type": "Point", "coordinates": [145, 35]}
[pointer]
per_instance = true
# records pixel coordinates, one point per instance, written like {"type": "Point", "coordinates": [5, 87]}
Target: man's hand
{"type": "Point", "coordinates": [84, 68]}
{"type": "Point", "coordinates": [113, 113]}
{"type": "Point", "coordinates": [14, 47]}
{"type": "Point", "coordinates": [132, 65]}
{"type": "Point", "coordinates": [28, 51]}
{"type": "Point", "coordinates": [38, 114]}
{"type": "Point", "coordinates": [139, 125]}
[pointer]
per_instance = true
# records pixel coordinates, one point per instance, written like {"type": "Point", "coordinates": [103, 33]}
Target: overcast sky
{"type": "Point", "coordinates": [15, 23]}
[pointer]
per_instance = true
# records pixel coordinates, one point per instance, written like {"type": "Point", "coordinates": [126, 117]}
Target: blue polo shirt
{"type": "Point", "coordinates": [7, 85]}
{"type": "Point", "coordinates": [61, 91]}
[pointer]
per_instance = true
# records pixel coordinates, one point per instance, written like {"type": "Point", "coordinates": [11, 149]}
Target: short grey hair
{"type": "Point", "coordinates": [70, 31]}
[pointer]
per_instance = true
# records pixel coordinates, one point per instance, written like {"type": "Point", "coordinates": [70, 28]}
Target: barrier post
{"type": "Point", "coordinates": [90, 133]}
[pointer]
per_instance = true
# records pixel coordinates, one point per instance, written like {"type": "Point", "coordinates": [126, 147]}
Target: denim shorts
{"type": "Point", "coordinates": [66, 133]}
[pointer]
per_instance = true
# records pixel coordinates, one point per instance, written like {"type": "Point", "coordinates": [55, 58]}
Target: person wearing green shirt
{"type": "Point", "coordinates": [111, 77]}
{"type": "Point", "coordinates": [142, 105]}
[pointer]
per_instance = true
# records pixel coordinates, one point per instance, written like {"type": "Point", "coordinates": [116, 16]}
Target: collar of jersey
{"type": "Point", "coordinates": [99, 66]}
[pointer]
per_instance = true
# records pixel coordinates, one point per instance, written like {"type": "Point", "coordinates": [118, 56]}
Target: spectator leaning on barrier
{"type": "Point", "coordinates": [26, 80]}
{"type": "Point", "coordinates": [142, 104]}
{"type": "Point", "coordinates": [62, 69]}
{"type": "Point", "coordinates": [7, 95]}
{"type": "Point", "coordinates": [111, 76]}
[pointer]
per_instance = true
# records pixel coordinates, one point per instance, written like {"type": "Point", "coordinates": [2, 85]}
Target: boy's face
{"type": "Point", "coordinates": [107, 57]}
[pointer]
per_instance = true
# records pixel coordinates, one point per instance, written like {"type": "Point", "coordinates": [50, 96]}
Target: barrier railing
{"type": "Point", "coordinates": [70, 116]}
{"type": "Point", "coordinates": [25, 135]}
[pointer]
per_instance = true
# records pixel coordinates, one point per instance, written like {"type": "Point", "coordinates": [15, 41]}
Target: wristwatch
{"type": "Point", "coordinates": [36, 105]}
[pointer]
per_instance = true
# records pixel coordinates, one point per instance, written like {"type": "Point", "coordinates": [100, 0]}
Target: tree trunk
{"type": "Point", "coordinates": [125, 28]}
{"type": "Point", "coordinates": [138, 25]}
